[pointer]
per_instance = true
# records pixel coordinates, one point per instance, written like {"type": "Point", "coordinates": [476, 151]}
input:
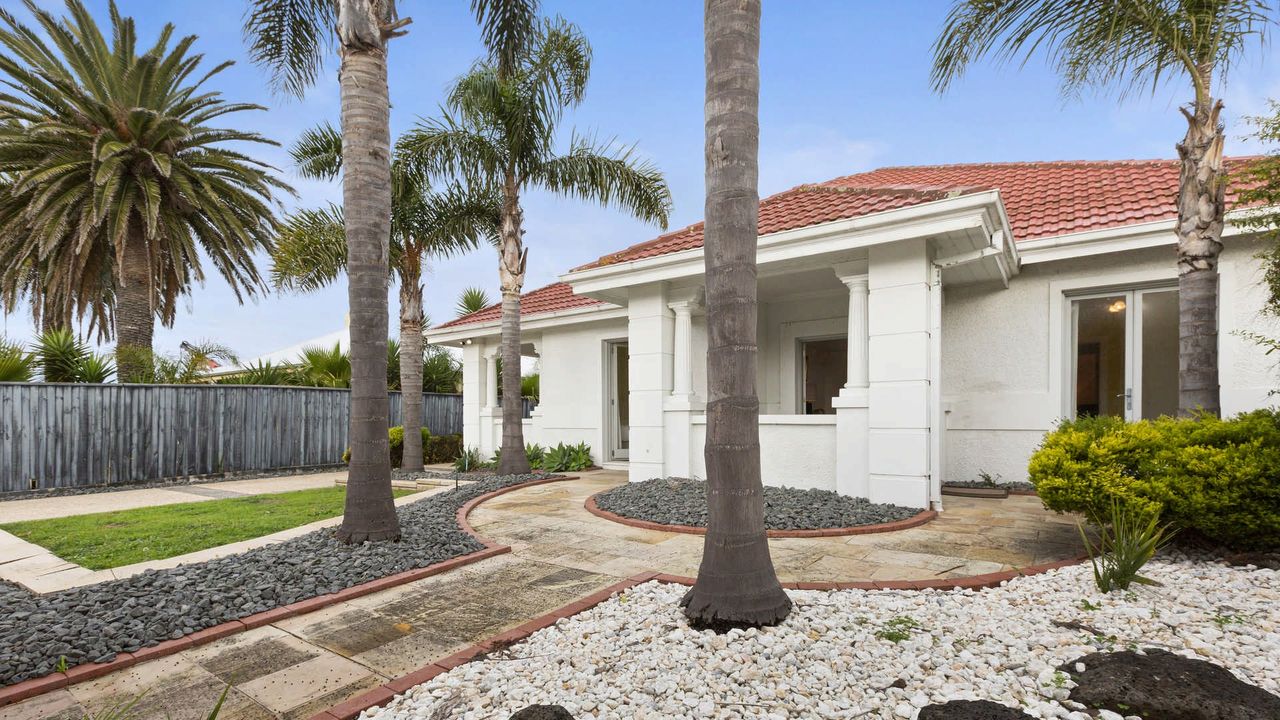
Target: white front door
{"type": "Point", "coordinates": [617, 401]}
{"type": "Point", "coordinates": [1125, 353]}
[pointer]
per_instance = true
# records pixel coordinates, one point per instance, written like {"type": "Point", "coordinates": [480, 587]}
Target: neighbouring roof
{"type": "Point", "coordinates": [1042, 199]}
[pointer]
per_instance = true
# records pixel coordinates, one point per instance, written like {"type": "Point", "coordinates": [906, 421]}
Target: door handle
{"type": "Point", "coordinates": [1128, 398]}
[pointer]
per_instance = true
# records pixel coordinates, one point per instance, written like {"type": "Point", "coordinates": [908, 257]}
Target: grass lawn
{"type": "Point", "coordinates": [111, 539]}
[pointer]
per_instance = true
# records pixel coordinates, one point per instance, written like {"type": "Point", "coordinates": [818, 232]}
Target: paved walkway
{"type": "Point", "coordinates": [972, 537]}
{"type": "Point", "coordinates": [296, 667]}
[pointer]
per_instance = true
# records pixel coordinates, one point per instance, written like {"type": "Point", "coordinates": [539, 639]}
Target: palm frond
{"type": "Point", "coordinates": [318, 152]}
{"type": "Point", "coordinates": [507, 28]}
{"type": "Point", "coordinates": [610, 175]}
{"type": "Point", "coordinates": [472, 299]}
{"type": "Point", "coordinates": [290, 39]}
{"type": "Point", "coordinates": [311, 250]}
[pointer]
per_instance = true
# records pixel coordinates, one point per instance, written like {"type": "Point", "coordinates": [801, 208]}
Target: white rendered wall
{"type": "Point", "coordinates": [998, 349]}
{"type": "Point", "coordinates": [795, 451]}
{"type": "Point", "coordinates": [572, 365]}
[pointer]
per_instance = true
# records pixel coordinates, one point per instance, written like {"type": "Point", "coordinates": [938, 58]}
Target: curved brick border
{"type": "Point", "coordinates": [916, 520]}
{"type": "Point", "coordinates": [88, 671]}
{"type": "Point", "coordinates": [383, 694]}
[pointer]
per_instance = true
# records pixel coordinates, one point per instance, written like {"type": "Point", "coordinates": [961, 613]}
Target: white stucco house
{"type": "Point", "coordinates": [917, 324]}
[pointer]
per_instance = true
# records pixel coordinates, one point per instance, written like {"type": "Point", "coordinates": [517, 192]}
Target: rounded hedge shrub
{"type": "Point", "coordinates": [395, 437]}
{"type": "Point", "coordinates": [1217, 478]}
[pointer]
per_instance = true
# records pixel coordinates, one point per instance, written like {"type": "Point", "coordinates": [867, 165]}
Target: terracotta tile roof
{"type": "Point", "coordinates": [552, 298]}
{"type": "Point", "coordinates": [1042, 199]}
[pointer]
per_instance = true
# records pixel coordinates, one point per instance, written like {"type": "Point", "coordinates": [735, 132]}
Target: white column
{"type": "Point", "coordinates": [856, 377]}
{"type": "Point", "coordinates": [649, 340]}
{"type": "Point", "coordinates": [491, 379]}
{"type": "Point", "coordinates": [682, 380]}
{"type": "Point", "coordinates": [473, 425]}
{"type": "Point", "coordinates": [852, 418]}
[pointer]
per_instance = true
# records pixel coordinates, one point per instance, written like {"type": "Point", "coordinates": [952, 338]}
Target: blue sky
{"type": "Point", "coordinates": [844, 88]}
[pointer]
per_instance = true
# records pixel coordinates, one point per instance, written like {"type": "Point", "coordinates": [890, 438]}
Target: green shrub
{"type": "Point", "coordinates": [1218, 478]}
{"type": "Point", "coordinates": [395, 438]}
{"type": "Point", "coordinates": [443, 448]}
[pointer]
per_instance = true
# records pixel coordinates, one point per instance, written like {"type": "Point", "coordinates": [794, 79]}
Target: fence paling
{"type": "Point", "coordinates": [74, 435]}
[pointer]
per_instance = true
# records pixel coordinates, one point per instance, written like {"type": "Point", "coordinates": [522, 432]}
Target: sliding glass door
{"type": "Point", "coordinates": [1125, 353]}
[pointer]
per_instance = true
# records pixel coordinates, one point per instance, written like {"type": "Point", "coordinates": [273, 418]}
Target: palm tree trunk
{"type": "Point", "coordinates": [135, 314]}
{"type": "Point", "coordinates": [411, 319]}
{"type": "Point", "coordinates": [511, 273]}
{"type": "Point", "coordinates": [736, 585]}
{"type": "Point", "coordinates": [370, 512]}
{"type": "Point", "coordinates": [1201, 205]}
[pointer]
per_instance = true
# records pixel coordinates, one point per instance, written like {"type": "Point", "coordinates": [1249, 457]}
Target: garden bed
{"type": "Point", "coordinates": [680, 505]}
{"type": "Point", "coordinates": [93, 623]}
{"type": "Point", "coordinates": [869, 654]}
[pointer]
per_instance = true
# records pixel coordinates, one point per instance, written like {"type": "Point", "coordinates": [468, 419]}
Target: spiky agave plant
{"type": "Point", "coordinates": [473, 299]}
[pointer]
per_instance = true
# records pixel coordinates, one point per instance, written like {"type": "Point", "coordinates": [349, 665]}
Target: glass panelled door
{"type": "Point", "coordinates": [1125, 351]}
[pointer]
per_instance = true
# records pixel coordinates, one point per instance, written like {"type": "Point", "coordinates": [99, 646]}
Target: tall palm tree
{"type": "Point", "coordinates": [118, 180]}
{"type": "Point", "coordinates": [498, 129]}
{"type": "Point", "coordinates": [292, 38]}
{"type": "Point", "coordinates": [1135, 45]}
{"type": "Point", "coordinates": [736, 585]}
{"type": "Point", "coordinates": [312, 251]}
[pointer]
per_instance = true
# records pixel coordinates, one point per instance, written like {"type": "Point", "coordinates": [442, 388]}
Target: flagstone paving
{"type": "Point", "coordinates": [296, 667]}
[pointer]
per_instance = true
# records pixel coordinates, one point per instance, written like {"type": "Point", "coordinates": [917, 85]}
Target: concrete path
{"type": "Point", "coordinates": [299, 666]}
{"type": "Point", "coordinates": [63, 505]}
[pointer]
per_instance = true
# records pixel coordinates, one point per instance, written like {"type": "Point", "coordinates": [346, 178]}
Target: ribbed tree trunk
{"type": "Point", "coordinates": [736, 585]}
{"type": "Point", "coordinates": [135, 314]}
{"type": "Point", "coordinates": [511, 273]}
{"type": "Point", "coordinates": [1201, 206]}
{"type": "Point", "coordinates": [411, 319]}
{"type": "Point", "coordinates": [370, 512]}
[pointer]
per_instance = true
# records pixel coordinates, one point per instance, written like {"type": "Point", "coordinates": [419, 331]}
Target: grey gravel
{"type": "Point", "coordinates": [95, 622]}
{"type": "Point", "coordinates": [681, 501]}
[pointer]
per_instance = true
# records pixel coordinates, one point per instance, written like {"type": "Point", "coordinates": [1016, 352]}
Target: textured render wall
{"type": "Point", "coordinates": [572, 393]}
{"type": "Point", "coordinates": [798, 455]}
{"type": "Point", "coordinates": [996, 353]}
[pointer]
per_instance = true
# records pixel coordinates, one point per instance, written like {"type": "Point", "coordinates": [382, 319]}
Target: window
{"type": "Point", "coordinates": [1125, 351]}
{"type": "Point", "coordinates": [825, 364]}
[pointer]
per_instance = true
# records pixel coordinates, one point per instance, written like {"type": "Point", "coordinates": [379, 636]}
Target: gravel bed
{"type": "Point", "coordinates": [879, 655]}
{"type": "Point", "coordinates": [681, 501]}
{"type": "Point", "coordinates": [94, 622]}
{"type": "Point", "coordinates": [171, 482]}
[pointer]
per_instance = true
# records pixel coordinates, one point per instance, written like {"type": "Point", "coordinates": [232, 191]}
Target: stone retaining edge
{"type": "Point", "coordinates": [32, 687]}
{"type": "Point", "coordinates": [916, 520]}
{"type": "Point", "coordinates": [384, 693]}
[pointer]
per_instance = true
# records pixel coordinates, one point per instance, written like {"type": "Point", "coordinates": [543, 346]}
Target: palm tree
{"type": "Point", "coordinates": [736, 585]}
{"type": "Point", "coordinates": [1135, 45]}
{"type": "Point", "coordinates": [312, 251]}
{"type": "Point", "coordinates": [117, 172]}
{"type": "Point", "coordinates": [472, 299]}
{"type": "Point", "coordinates": [325, 367]}
{"type": "Point", "coordinates": [291, 38]}
{"type": "Point", "coordinates": [498, 130]}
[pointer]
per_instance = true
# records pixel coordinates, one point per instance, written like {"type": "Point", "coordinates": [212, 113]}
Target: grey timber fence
{"type": "Point", "coordinates": [76, 435]}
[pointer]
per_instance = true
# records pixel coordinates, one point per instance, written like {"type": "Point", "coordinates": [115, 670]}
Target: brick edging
{"type": "Point", "coordinates": [37, 686]}
{"type": "Point", "coordinates": [916, 520]}
{"type": "Point", "coordinates": [381, 694]}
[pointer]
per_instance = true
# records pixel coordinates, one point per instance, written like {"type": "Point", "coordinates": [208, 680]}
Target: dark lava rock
{"type": "Point", "coordinates": [1159, 684]}
{"type": "Point", "coordinates": [542, 712]}
{"type": "Point", "coordinates": [971, 710]}
{"type": "Point", "coordinates": [681, 501]}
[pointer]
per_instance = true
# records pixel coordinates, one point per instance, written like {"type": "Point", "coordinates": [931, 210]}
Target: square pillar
{"type": "Point", "coordinates": [898, 372]}
{"type": "Point", "coordinates": [650, 344]}
{"type": "Point", "coordinates": [852, 420]}
{"type": "Point", "coordinates": [491, 412]}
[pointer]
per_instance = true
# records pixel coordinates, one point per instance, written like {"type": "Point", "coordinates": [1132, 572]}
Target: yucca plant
{"type": "Point", "coordinates": [16, 364]}
{"type": "Point", "coordinates": [62, 357]}
{"type": "Point", "coordinates": [1127, 540]}
{"type": "Point", "coordinates": [473, 299]}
